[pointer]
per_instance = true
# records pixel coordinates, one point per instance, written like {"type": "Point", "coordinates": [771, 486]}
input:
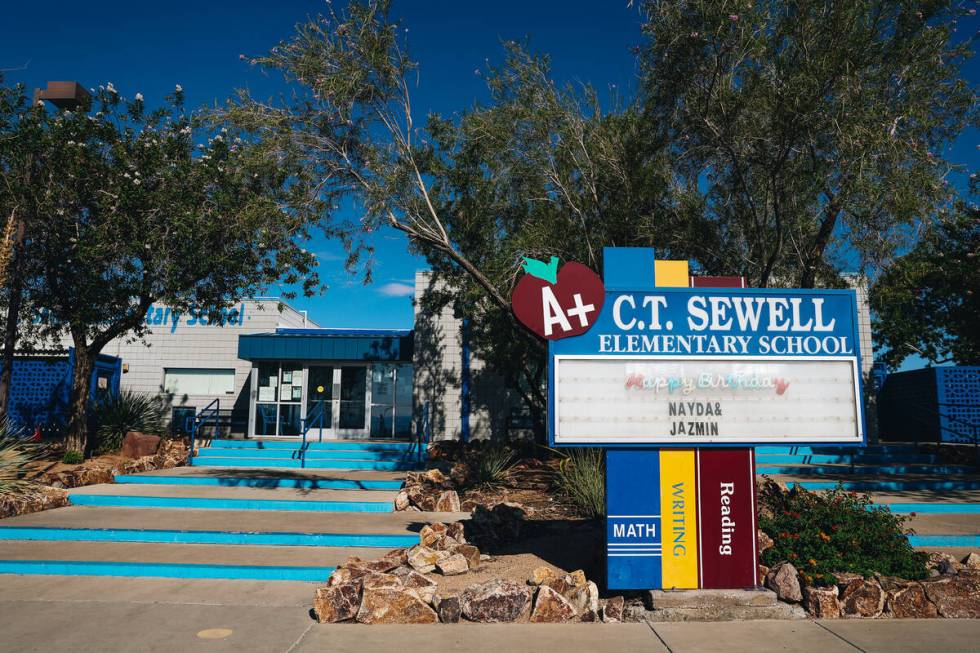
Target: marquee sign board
{"type": "Point", "coordinates": [690, 367]}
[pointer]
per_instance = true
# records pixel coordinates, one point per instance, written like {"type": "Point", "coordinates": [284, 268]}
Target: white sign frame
{"type": "Point", "coordinates": [592, 440]}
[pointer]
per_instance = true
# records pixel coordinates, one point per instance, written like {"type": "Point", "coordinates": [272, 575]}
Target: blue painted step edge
{"type": "Point", "coordinates": [260, 482]}
{"type": "Point", "coordinates": [839, 451]}
{"type": "Point", "coordinates": [164, 570]}
{"type": "Point", "coordinates": [82, 499]}
{"type": "Point", "coordinates": [295, 444]}
{"type": "Point", "coordinates": [55, 534]}
{"type": "Point", "coordinates": [808, 459]}
{"type": "Point", "coordinates": [286, 454]}
{"type": "Point", "coordinates": [888, 486]}
{"type": "Point", "coordinates": [287, 463]}
{"type": "Point", "coordinates": [863, 469]}
{"type": "Point", "coordinates": [945, 540]}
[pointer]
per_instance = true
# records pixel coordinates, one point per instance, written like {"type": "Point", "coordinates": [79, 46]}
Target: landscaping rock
{"type": "Point", "coordinates": [584, 598]}
{"type": "Point", "coordinates": [344, 575]}
{"type": "Point", "coordinates": [448, 501]}
{"type": "Point", "coordinates": [550, 607]}
{"type": "Point", "coordinates": [589, 616]}
{"type": "Point", "coordinates": [472, 555]}
{"type": "Point", "coordinates": [380, 566]}
{"type": "Point", "coordinates": [336, 603]}
{"type": "Point", "coordinates": [955, 597]}
{"type": "Point", "coordinates": [448, 609]}
{"type": "Point", "coordinates": [375, 581]}
{"type": "Point", "coordinates": [42, 498]}
{"type": "Point", "coordinates": [862, 598]}
{"type": "Point", "coordinates": [496, 601]}
{"type": "Point", "coordinates": [434, 476]}
{"type": "Point", "coordinates": [457, 531]}
{"type": "Point", "coordinates": [578, 578]}
{"type": "Point", "coordinates": [784, 580]}
{"type": "Point", "coordinates": [764, 542]}
{"type": "Point", "coordinates": [612, 609]}
{"type": "Point", "coordinates": [561, 584]}
{"type": "Point", "coordinates": [944, 563]}
{"type": "Point", "coordinates": [423, 559]}
{"type": "Point", "coordinates": [972, 561]}
{"type": "Point", "coordinates": [843, 578]}
{"type": "Point", "coordinates": [910, 602]}
{"type": "Point", "coordinates": [453, 565]}
{"type": "Point", "coordinates": [423, 586]}
{"type": "Point", "coordinates": [401, 501]}
{"type": "Point", "coordinates": [540, 575]}
{"type": "Point", "coordinates": [393, 606]}
{"type": "Point", "coordinates": [137, 445]}
{"type": "Point", "coordinates": [460, 474]}
{"type": "Point", "coordinates": [822, 602]}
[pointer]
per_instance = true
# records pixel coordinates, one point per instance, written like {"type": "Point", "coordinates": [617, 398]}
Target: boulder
{"type": "Point", "coordinates": [137, 445]}
{"type": "Point", "coordinates": [551, 607]}
{"type": "Point", "coordinates": [423, 586]}
{"type": "Point", "coordinates": [955, 597]}
{"type": "Point", "coordinates": [379, 566]}
{"type": "Point", "coordinates": [434, 476]}
{"type": "Point", "coordinates": [401, 501]}
{"type": "Point", "coordinates": [393, 606]}
{"type": "Point", "coordinates": [460, 474]}
{"type": "Point", "coordinates": [423, 559]}
{"type": "Point", "coordinates": [376, 581]}
{"type": "Point", "coordinates": [336, 603]}
{"type": "Point", "coordinates": [842, 578]}
{"type": "Point", "coordinates": [764, 542]}
{"type": "Point", "coordinates": [944, 563]}
{"type": "Point", "coordinates": [612, 609]}
{"type": "Point", "coordinates": [909, 602]}
{"type": "Point", "coordinates": [862, 598]}
{"type": "Point", "coordinates": [496, 601]}
{"type": "Point", "coordinates": [584, 598]}
{"type": "Point", "coordinates": [561, 584]}
{"type": "Point", "coordinates": [822, 602]}
{"type": "Point", "coordinates": [784, 580]}
{"type": "Point", "coordinates": [589, 616]}
{"type": "Point", "coordinates": [448, 501]}
{"type": "Point", "coordinates": [448, 609]}
{"type": "Point", "coordinates": [453, 565]}
{"type": "Point", "coordinates": [540, 575]}
{"type": "Point", "coordinates": [578, 578]}
{"type": "Point", "coordinates": [399, 556]}
{"type": "Point", "coordinates": [344, 575]}
{"type": "Point", "coordinates": [471, 553]}
{"type": "Point", "coordinates": [972, 561]}
{"type": "Point", "coordinates": [457, 531]}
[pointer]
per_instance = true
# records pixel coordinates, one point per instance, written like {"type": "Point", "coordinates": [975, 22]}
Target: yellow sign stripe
{"type": "Point", "coordinates": [671, 274]}
{"type": "Point", "coordinates": [678, 511]}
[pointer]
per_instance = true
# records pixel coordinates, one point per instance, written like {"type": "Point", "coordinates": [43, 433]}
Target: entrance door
{"type": "Point", "coordinates": [353, 402]}
{"type": "Point", "coordinates": [320, 400]}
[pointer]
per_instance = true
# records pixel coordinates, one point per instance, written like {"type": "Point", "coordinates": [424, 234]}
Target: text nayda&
{"type": "Point", "coordinates": [793, 315]}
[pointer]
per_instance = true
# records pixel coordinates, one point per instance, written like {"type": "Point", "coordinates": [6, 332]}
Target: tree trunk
{"type": "Point", "coordinates": [81, 380]}
{"type": "Point", "coordinates": [15, 271]}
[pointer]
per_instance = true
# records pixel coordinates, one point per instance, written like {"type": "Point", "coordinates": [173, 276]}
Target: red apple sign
{"type": "Point", "coordinates": [558, 303]}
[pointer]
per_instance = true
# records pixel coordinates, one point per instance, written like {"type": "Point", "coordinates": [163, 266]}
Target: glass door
{"type": "Point", "coordinates": [279, 399]}
{"type": "Point", "coordinates": [320, 400]}
{"type": "Point", "coordinates": [352, 409]}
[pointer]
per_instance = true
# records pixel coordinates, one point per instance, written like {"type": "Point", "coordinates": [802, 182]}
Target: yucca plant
{"type": "Point", "coordinates": [16, 457]}
{"type": "Point", "coordinates": [129, 411]}
{"type": "Point", "coordinates": [493, 465]}
{"type": "Point", "coordinates": [582, 476]}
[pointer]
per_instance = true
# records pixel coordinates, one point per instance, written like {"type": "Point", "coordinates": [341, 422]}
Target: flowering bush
{"type": "Point", "coordinates": [836, 530]}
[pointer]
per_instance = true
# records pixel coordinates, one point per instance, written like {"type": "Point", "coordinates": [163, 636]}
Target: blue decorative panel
{"type": "Point", "coordinates": [633, 520]}
{"type": "Point", "coordinates": [628, 268]}
{"type": "Point", "coordinates": [958, 399]}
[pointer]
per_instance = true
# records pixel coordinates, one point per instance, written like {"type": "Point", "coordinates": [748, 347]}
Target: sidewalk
{"type": "Point", "coordinates": [110, 615]}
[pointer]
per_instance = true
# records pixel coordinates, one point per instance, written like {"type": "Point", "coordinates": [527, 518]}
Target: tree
{"type": "Point", "coordinates": [540, 170]}
{"type": "Point", "coordinates": [928, 302]}
{"type": "Point", "coordinates": [131, 207]}
{"type": "Point", "coordinates": [808, 132]}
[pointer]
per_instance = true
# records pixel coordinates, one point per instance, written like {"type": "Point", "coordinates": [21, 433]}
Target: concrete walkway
{"type": "Point", "coordinates": [109, 615]}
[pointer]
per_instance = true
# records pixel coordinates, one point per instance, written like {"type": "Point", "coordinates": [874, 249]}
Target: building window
{"type": "Point", "coordinates": [181, 381]}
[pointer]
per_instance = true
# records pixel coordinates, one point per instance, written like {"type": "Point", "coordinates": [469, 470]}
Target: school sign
{"type": "Point", "coordinates": [678, 383]}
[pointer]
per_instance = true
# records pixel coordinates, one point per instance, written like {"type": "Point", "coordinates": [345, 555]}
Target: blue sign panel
{"type": "Point", "coordinates": [633, 526]}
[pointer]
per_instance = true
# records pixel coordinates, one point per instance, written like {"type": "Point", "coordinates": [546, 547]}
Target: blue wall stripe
{"type": "Point", "coordinates": [945, 540]}
{"type": "Point", "coordinates": [163, 570]}
{"type": "Point", "coordinates": [81, 499]}
{"type": "Point", "coordinates": [53, 534]}
{"type": "Point", "coordinates": [260, 482]}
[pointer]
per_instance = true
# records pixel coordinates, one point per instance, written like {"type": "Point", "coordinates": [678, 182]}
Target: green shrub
{"type": "Point", "coordinates": [72, 458]}
{"type": "Point", "coordinates": [836, 530]}
{"type": "Point", "coordinates": [130, 411]}
{"type": "Point", "coordinates": [582, 476]}
{"type": "Point", "coordinates": [16, 459]}
{"type": "Point", "coordinates": [493, 465]}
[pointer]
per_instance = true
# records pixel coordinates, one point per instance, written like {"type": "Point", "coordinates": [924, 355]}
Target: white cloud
{"type": "Point", "coordinates": [396, 290]}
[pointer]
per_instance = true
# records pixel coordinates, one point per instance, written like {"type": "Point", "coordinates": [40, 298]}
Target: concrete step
{"type": "Point", "coordinates": [884, 485]}
{"type": "Point", "coordinates": [265, 477]}
{"type": "Point", "coordinates": [717, 605]}
{"type": "Point", "coordinates": [232, 521]}
{"type": "Point", "coordinates": [945, 524]}
{"type": "Point", "coordinates": [292, 463]}
{"type": "Point", "coordinates": [296, 563]}
{"type": "Point", "coordinates": [219, 498]}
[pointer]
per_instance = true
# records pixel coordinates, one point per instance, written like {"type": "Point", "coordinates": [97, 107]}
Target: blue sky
{"type": "Point", "coordinates": [150, 47]}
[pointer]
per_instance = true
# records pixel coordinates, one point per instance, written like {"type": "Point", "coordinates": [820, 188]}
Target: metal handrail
{"type": "Point", "coordinates": [422, 434]}
{"type": "Point", "coordinates": [201, 419]}
{"type": "Point", "coordinates": [308, 424]}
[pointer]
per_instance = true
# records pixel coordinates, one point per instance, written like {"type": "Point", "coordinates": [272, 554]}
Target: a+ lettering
{"type": "Point", "coordinates": [581, 310]}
